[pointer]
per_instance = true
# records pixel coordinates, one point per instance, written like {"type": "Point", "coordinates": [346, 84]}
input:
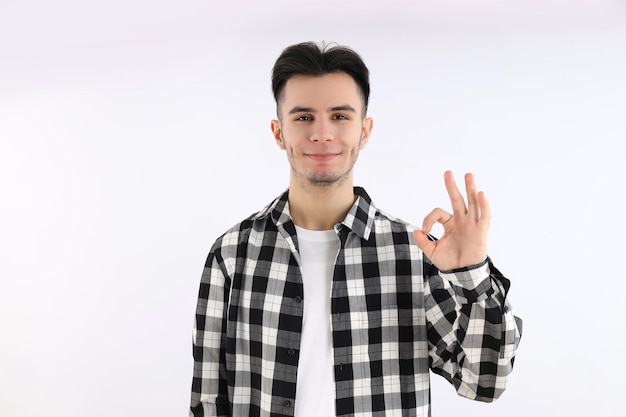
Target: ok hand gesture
{"type": "Point", "coordinates": [464, 241]}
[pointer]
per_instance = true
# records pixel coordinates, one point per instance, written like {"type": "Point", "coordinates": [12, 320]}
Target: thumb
{"type": "Point", "coordinates": [423, 242]}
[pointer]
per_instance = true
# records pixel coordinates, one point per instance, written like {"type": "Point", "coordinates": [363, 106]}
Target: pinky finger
{"type": "Point", "coordinates": [485, 209]}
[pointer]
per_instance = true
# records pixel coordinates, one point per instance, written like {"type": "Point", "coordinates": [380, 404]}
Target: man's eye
{"type": "Point", "coordinates": [304, 118]}
{"type": "Point", "coordinates": [341, 117]}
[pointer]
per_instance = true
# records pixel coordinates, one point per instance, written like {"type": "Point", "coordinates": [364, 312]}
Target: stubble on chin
{"type": "Point", "coordinates": [323, 181]}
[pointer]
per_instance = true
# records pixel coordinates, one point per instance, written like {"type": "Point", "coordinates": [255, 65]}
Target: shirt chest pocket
{"type": "Point", "coordinates": [386, 301]}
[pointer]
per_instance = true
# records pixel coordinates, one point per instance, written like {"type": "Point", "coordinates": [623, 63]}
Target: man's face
{"type": "Point", "coordinates": [321, 127]}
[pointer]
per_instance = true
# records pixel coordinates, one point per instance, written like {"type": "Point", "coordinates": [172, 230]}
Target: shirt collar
{"type": "Point", "coordinates": [360, 217]}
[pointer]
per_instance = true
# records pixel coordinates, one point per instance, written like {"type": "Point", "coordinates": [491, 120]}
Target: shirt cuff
{"type": "Point", "coordinates": [469, 277]}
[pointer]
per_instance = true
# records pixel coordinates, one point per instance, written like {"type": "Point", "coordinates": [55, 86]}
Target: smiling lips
{"type": "Point", "coordinates": [322, 156]}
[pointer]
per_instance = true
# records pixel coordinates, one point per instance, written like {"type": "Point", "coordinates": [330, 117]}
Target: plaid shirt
{"type": "Point", "coordinates": [394, 316]}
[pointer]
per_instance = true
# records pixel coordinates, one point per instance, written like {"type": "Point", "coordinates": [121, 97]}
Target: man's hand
{"type": "Point", "coordinates": [464, 240]}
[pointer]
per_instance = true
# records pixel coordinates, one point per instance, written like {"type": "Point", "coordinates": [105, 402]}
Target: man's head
{"type": "Point", "coordinates": [321, 96]}
{"type": "Point", "coordinates": [309, 59]}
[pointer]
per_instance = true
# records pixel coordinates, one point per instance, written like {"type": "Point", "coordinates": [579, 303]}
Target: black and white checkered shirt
{"type": "Point", "coordinates": [394, 317]}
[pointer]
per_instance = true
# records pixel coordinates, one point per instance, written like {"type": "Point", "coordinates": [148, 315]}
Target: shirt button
{"type": "Point", "coordinates": [298, 299]}
{"type": "Point", "coordinates": [287, 403]}
{"type": "Point", "coordinates": [291, 352]}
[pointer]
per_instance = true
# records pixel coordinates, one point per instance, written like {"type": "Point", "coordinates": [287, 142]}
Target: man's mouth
{"type": "Point", "coordinates": [322, 156]}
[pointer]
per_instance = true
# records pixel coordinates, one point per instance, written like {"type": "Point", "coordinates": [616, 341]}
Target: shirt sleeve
{"type": "Point", "coordinates": [209, 391]}
{"type": "Point", "coordinates": [472, 332]}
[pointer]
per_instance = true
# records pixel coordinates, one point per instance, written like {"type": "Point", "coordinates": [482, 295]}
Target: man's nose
{"type": "Point", "coordinates": [322, 131]}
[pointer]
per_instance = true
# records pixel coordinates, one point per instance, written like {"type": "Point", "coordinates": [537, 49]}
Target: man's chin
{"type": "Point", "coordinates": [322, 179]}
{"type": "Point", "coordinates": [326, 180]}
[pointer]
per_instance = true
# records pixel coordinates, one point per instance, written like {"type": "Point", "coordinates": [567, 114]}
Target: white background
{"type": "Point", "coordinates": [133, 133]}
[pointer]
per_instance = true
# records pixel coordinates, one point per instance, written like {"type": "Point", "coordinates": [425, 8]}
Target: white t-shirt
{"type": "Point", "coordinates": [315, 389]}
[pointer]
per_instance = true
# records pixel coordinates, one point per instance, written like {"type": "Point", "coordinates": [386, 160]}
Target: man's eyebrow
{"type": "Point", "coordinates": [300, 109]}
{"type": "Point", "coordinates": [345, 107]}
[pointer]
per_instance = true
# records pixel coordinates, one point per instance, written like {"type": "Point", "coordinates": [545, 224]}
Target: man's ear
{"type": "Point", "coordinates": [368, 125]}
{"type": "Point", "coordinates": [277, 131]}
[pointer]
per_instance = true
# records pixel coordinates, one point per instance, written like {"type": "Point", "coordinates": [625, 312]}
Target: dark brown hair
{"type": "Point", "coordinates": [308, 58]}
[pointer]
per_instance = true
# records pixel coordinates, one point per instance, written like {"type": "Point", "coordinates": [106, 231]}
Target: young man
{"type": "Point", "coordinates": [321, 304]}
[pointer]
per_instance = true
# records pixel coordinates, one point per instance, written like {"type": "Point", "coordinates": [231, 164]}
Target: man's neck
{"type": "Point", "coordinates": [316, 207]}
